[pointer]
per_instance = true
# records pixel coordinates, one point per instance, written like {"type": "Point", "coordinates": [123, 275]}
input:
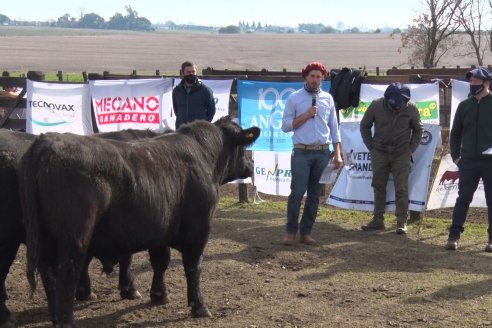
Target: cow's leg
{"type": "Point", "coordinates": [8, 251]}
{"type": "Point", "coordinates": [159, 259]}
{"type": "Point", "coordinates": [192, 261]}
{"type": "Point", "coordinates": [47, 273]}
{"type": "Point", "coordinates": [126, 285]}
{"type": "Point", "coordinates": [84, 288]}
{"type": "Point", "coordinates": [70, 263]}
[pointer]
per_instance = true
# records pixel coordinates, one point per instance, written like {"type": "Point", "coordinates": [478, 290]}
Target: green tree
{"type": "Point", "coordinates": [231, 29]}
{"type": "Point", "coordinates": [92, 20]}
{"type": "Point", "coordinates": [4, 19]}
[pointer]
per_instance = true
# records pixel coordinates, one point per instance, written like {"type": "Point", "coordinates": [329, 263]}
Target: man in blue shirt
{"type": "Point", "coordinates": [310, 113]}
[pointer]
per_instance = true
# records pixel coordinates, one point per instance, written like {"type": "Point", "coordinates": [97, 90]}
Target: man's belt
{"type": "Point", "coordinates": [311, 147]}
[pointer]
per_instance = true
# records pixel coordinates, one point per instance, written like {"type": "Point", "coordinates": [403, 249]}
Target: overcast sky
{"type": "Point", "coordinates": [367, 13]}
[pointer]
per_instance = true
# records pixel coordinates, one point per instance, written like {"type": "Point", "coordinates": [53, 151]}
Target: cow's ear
{"type": "Point", "coordinates": [248, 136]}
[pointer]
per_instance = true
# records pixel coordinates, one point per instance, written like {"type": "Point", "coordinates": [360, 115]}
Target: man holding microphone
{"type": "Point", "coordinates": [310, 113]}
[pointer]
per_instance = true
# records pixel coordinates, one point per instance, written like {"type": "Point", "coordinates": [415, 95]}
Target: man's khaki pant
{"type": "Point", "coordinates": [382, 165]}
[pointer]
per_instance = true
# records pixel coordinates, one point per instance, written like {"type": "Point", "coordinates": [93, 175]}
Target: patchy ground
{"type": "Point", "coordinates": [350, 279]}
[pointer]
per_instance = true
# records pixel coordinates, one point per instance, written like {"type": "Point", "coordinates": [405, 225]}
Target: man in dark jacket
{"type": "Point", "coordinates": [471, 143]}
{"type": "Point", "coordinates": [192, 100]}
{"type": "Point", "coordinates": [397, 133]}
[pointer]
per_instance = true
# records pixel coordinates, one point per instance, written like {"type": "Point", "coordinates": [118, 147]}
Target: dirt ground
{"type": "Point", "coordinates": [349, 279]}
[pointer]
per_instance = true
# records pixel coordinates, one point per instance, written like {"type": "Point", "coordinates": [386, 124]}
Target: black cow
{"type": "Point", "coordinates": [84, 194]}
{"type": "Point", "coordinates": [12, 146]}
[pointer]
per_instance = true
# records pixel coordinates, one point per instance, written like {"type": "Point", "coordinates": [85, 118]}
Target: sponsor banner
{"type": "Point", "coordinates": [460, 89]}
{"type": "Point", "coordinates": [131, 104]}
{"type": "Point", "coordinates": [425, 96]}
{"type": "Point", "coordinates": [262, 104]}
{"type": "Point", "coordinates": [58, 107]}
{"type": "Point", "coordinates": [221, 90]}
{"type": "Point", "coordinates": [272, 172]}
{"type": "Point", "coordinates": [445, 187]}
{"type": "Point", "coordinates": [353, 190]}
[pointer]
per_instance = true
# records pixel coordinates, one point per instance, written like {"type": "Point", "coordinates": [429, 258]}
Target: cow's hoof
{"type": "Point", "coordinates": [159, 298]}
{"type": "Point", "coordinates": [130, 294]}
{"type": "Point", "coordinates": [201, 312]}
{"type": "Point", "coordinates": [82, 295]}
{"type": "Point", "coordinates": [65, 325]}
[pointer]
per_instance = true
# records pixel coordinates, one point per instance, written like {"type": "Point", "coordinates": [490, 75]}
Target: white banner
{"type": "Point", "coordinates": [135, 103]}
{"type": "Point", "coordinates": [58, 107]}
{"type": "Point", "coordinates": [460, 91]}
{"type": "Point", "coordinates": [353, 189]}
{"type": "Point", "coordinates": [445, 187]}
{"type": "Point", "coordinates": [425, 96]}
{"type": "Point", "coordinates": [272, 172]}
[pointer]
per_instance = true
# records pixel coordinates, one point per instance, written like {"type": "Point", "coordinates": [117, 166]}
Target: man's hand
{"type": "Point", "coordinates": [337, 161]}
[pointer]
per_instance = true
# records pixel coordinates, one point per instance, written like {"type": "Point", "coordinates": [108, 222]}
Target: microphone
{"type": "Point", "coordinates": [313, 102]}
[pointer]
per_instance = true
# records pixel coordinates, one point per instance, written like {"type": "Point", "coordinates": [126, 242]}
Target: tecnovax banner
{"type": "Point", "coordinates": [425, 96]}
{"type": "Point", "coordinates": [272, 172]}
{"type": "Point", "coordinates": [262, 104]}
{"type": "Point", "coordinates": [57, 107]}
{"type": "Point", "coordinates": [135, 103]}
{"type": "Point", "coordinates": [353, 189]}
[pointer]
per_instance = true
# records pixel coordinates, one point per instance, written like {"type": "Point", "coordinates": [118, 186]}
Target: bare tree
{"type": "Point", "coordinates": [430, 36]}
{"type": "Point", "coordinates": [470, 16]}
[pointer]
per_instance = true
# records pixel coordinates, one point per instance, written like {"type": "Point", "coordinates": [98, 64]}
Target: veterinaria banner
{"type": "Point", "coordinates": [445, 187]}
{"type": "Point", "coordinates": [353, 189]}
{"type": "Point", "coordinates": [57, 107]}
{"type": "Point", "coordinates": [131, 104]}
{"type": "Point", "coordinates": [262, 104]}
{"type": "Point", "coordinates": [425, 96]}
{"type": "Point", "coordinates": [272, 172]}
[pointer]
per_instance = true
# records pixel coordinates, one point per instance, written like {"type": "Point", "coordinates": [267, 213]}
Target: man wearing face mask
{"type": "Point", "coordinates": [470, 138]}
{"type": "Point", "coordinates": [397, 133]}
{"type": "Point", "coordinates": [309, 113]}
{"type": "Point", "coordinates": [192, 100]}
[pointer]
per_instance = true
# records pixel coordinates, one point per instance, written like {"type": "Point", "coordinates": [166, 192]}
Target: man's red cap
{"type": "Point", "coordinates": [316, 66]}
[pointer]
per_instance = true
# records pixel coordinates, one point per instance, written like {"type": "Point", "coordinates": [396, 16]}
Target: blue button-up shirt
{"type": "Point", "coordinates": [319, 130]}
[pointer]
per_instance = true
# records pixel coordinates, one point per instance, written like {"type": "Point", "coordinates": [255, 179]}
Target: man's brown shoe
{"type": "Point", "coordinates": [374, 224]}
{"type": "Point", "coordinates": [289, 239]}
{"type": "Point", "coordinates": [308, 240]}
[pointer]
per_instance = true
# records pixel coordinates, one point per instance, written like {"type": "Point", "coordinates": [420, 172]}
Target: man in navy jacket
{"type": "Point", "coordinates": [192, 100]}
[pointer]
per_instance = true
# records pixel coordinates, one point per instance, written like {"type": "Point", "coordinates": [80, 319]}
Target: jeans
{"type": "Point", "coordinates": [307, 167]}
{"type": "Point", "coordinates": [471, 170]}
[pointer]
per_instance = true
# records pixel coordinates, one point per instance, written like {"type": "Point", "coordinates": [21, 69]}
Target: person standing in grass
{"type": "Point", "coordinates": [397, 133]}
{"type": "Point", "coordinates": [471, 149]}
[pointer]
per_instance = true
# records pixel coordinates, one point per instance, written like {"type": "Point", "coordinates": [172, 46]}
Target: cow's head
{"type": "Point", "coordinates": [236, 164]}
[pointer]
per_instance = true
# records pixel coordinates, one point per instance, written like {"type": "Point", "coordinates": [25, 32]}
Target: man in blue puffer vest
{"type": "Point", "coordinates": [192, 100]}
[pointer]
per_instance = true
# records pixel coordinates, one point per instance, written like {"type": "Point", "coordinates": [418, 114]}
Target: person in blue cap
{"type": "Point", "coordinates": [470, 138]}
{"type": "Point", "coordinates": [397, 133]}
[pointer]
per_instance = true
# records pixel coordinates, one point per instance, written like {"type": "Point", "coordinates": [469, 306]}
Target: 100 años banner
{"type": "Point", "coordinates": [136, 104]}
{"type": "Point", "coordinates": [425, 96]}
{"type": "Point", "coordinates": [57, 107]}
{"type": "Point", "coordinates": [262, 104]}
{"type": "Point", "coordinates": [353, 189]}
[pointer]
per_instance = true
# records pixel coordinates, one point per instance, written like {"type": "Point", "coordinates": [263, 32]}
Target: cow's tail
{"type": "Point", "coordinates": [29, 199]}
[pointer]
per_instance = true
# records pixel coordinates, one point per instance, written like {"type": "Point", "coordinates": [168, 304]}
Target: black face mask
{"type": "Point", "coordinates": [191, 79]}
{"type": "Point", "coordinates": [475, 89]}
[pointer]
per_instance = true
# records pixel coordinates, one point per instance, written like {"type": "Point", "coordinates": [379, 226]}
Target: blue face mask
{"type": "Point", "coordinates": [475, 89]}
